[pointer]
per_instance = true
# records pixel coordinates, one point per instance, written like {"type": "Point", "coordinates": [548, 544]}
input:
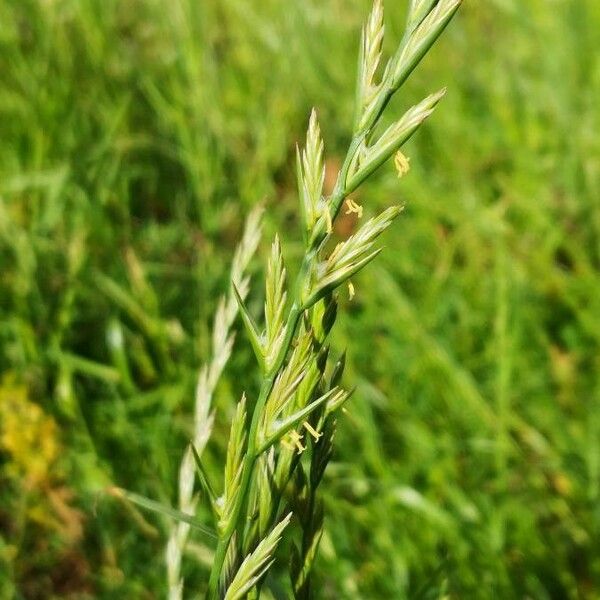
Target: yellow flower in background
{"type": "Point", "coordinates": [28, 435]}
{"type": "Point", "coordinates": [30, 438]}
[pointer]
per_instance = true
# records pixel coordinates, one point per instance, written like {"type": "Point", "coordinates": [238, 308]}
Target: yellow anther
{"type": "Point", "coordinates": [402, 163]}
{"type": "Point", "coordinates": [328, 221]}
{"type": "Point", "coordinates": [353, 207]}
{"type": "Point", "coordinates": [312, 431]}
{"type": "Point", "coordinates": [296, 439]}
{"type": "Point", "coordinates": [351, 291]}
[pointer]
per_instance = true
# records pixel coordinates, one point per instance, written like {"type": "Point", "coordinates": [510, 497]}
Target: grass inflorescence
{"type": "Point", "coordinates": [280, 444]}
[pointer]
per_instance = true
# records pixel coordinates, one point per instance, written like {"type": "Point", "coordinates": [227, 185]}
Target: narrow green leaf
{"type": "Point", "coordinates": [164, 510]}
{"type": "Point", "coordinates": [86, 366]}
{"type": "Point", "coordinates": [203, 477]}
{"type": "Point", "coordinates": [338, 370]}
{"type": "Point", "coordinates": [251, 327]}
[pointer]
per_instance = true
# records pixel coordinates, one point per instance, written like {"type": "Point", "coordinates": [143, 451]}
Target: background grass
{"type": "Point", "coordinates": [134, 137]}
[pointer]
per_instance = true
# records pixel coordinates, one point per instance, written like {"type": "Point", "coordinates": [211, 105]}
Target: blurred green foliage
{"type": "Point", "coordinates": [135, 135]}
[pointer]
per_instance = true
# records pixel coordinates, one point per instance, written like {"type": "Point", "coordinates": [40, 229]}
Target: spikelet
{"type": "Point", "coordinates": [427, 20]}
{"type": "Point", "coordinates": [311, 174]}
{"type": "Point", "coordinates": [234, 464]}
{"type": "Point", "coordinates": [350, 256]}
{"type": "Point", "coordinates": [275, 302]}
{"type": "Point", "coordinates": [256, 564]}
{"type": "Point", "coordinates": [370, 57]}
{"type": "Point", "coordinates": [391, 140]}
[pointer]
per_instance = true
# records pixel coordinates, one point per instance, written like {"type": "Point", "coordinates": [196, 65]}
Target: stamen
{"type": "Point", "coordinates": [351, 291]}
{"type": "Point", "coordinates": [296, 439]}
{"type": "Point", "coordinates": [316, 435]}
{"type": "Point", "coordinates": [353, 207]}
{"type": "Point", "coordinates": [328, 221]}
{"type": "Point", "coordinates": [402, 163]}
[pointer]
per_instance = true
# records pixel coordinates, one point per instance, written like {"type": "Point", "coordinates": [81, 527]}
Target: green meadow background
{"type": "Point", "coordinates": [136, 135]}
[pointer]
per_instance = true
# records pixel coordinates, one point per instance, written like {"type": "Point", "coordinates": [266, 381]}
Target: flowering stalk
{"type": "Point", "coordinates": [299, 395]}
{"type": "Point", "coordinates": [222, 343]}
